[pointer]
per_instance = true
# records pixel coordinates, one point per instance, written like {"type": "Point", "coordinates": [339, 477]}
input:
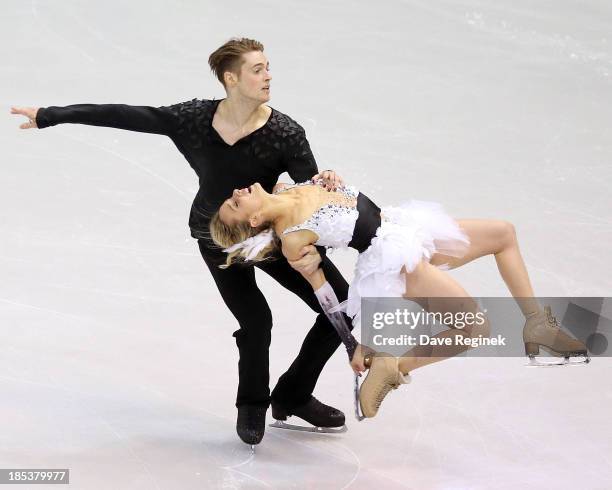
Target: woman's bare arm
{"type": "Point", "coordinates": [292, 245]}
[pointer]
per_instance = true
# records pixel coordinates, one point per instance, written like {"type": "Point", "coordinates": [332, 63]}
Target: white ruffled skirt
{"type": "Point", "coordinates": [410, 232]}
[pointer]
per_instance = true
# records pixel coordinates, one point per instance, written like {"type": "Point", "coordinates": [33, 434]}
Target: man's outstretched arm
{"type": "Point", "coordinates": [145, 119]}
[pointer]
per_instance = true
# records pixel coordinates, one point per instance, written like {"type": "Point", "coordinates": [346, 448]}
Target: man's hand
{"type": "Point", "coordinates": [330, 178]}
{"type": "Point", "coordinates": [30, 113]}
{"type": "Point", "coordinates": [309, 261]}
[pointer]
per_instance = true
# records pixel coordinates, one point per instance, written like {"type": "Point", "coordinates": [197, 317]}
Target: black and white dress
{"type": "Point", "coordinates": [386, 239]}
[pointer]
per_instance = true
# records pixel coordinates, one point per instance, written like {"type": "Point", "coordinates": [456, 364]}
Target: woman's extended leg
{"type": "Point", "coordinates": [541, 327]}
{"type": "Point", "coordinates": [498, 238]}
{"type": "Point", "coordinates": [438, 292]}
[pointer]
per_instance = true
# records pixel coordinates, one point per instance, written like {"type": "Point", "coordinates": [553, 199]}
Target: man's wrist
{"type": "Point", "coordinates": [322, 255]}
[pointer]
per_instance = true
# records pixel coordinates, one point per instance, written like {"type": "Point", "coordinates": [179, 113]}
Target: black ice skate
{"type": "Point", "coordinates": [322, 417]}
{"type": "Point", "coordinates": [251, 424]}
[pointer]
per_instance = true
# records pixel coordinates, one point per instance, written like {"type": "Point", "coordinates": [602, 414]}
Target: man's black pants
{"type": "Point", "coordinates": [242, 296]}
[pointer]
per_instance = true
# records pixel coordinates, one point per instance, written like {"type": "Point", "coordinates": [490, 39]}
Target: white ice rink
{"type": "Point", "coordinates": [116, 354]}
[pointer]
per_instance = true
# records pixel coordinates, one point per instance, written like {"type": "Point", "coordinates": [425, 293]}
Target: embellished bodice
{"type": "Point", "coordinates": [334, 220]}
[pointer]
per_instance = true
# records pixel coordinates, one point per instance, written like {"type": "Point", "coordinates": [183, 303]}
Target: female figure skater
{"type": "Point", "coordinates": [402, 252]}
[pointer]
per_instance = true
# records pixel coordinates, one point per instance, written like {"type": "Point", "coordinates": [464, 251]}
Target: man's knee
{"type": "Point", "coordinates": [252, 340]}
{"type": "Point", "coordinates": [255, 331]}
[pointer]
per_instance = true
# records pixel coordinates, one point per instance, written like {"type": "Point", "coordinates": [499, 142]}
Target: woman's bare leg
{"type": "Point", "coordinates": [438, 292]}
{"type": "Point", "coordinates": [498, 238]}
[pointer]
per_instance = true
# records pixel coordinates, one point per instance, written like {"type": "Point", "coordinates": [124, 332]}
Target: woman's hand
{"type": "Point", "coordinates": [330, 178]}
{"type": "Point", "coordinates": [30, 113]}
{"type": "Point", "coordinates": [309, 262]}
{"type": "Point", "coordinates": [357, 362]}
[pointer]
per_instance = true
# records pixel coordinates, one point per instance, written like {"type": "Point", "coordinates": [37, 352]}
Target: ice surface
{"type": "Point", "coordinates": [117, 357]}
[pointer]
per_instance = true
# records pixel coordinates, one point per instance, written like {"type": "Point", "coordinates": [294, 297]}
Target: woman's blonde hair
{"type": "Point", "coordinates": [227, 235]}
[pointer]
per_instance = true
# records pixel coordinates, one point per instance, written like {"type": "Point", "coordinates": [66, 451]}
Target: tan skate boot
{"type": "Point", "coordinates": [383, 376]}
{"type": "Point", "coordinates": [543, 331]}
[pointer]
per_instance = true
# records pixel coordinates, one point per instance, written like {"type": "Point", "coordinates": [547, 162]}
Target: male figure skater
{"type": "Point", "coordinates": [230, 144]}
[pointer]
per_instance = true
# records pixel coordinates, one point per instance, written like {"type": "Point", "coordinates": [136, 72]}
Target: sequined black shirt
{"type": "Point", "coordinates": [278, 146]}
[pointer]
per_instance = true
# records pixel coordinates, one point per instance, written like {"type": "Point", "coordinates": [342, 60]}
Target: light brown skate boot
{"type": "Point", "coordinates": [543, 331]}
{"type": "Point", "coordinates": [383, 376]}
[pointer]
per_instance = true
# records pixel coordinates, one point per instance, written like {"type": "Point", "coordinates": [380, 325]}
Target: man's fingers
{"type": "Point", "coordinates": [306, 249]}
{"type": "Point", "coordinates": [317, 176]}
{"type": "Point", "coordinates": [309, 270]}
{"type": "Point", "coordinates": [331, 179]}
{"type": "Point", "coordinates": [19, 110]}
{"type": "Point", "coordinates": [304, 268]}
{"type": "Point", "coordinates": [29, 112]}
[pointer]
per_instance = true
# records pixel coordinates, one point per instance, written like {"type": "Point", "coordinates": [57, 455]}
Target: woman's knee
{"type": "Point", "coordinates": [478, 327]}
{"type": "Point", "coordinates": [507, 232]}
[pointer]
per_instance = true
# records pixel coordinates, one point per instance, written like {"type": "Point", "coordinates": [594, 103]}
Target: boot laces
{"type": "Point", "coordinates": [386, 388]}
{"type": "Point", "coordinates": [552, 320]}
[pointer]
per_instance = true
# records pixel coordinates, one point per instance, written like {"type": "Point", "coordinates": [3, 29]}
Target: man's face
{"type": "Point", "coordinates": [254, 78]}
{"type": "Point", "coordinates": [243, 204]}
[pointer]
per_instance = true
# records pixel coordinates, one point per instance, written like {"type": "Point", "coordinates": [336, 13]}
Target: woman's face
{"type": "Point", "coordinates": [243, 205]}
{"type": "Point", "coordinates": [254, 79]}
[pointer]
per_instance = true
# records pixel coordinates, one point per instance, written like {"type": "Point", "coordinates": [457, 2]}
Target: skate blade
{"type": "Point", "coordinates": [566, 361]}
{"type": "Point", "coordinates": [279, 424]}
{"type": "Point", "coordinates": [358, 413]}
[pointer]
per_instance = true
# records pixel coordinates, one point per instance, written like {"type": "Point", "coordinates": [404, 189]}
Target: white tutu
{"type": "Point", "coordinates": [408, 233]}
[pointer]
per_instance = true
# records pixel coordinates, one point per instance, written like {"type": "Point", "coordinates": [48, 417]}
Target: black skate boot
{"type": "Point", "coordinates": [251, 424]}
{"type": "Point", "coordinates": [323, 417]}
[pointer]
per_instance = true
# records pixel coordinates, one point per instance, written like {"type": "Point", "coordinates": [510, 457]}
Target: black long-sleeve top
{"type": "Point", "coordinates": [278, 146]}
